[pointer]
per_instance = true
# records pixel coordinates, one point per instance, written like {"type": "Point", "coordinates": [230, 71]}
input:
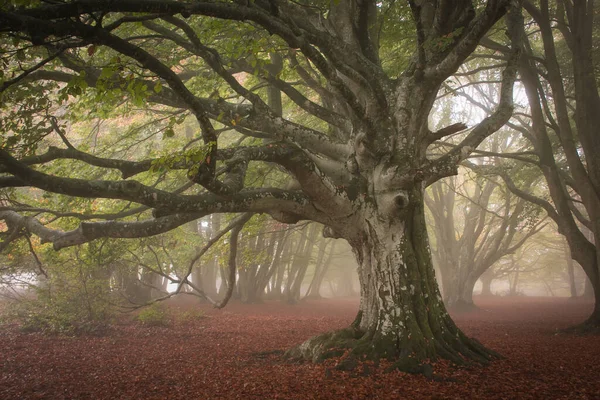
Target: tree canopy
{"type": "Point", "coordinates": [304, 110]}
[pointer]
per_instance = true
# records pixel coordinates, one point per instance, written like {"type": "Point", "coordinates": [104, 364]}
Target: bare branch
{"type": "Point", "coordinates": [446, 165]}
{"type": "Point", "coordinates": [494, 9]}
{"type": "Point", "coordinates": [88, 231]}
{"type": "Point", "coordinates": [233, 242]}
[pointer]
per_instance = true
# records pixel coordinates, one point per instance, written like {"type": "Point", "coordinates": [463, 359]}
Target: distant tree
{"type": "Point", "coordinates": [353, 143]}
{"type": "Point", "coordinates": [476, 223]}
{"type": "Point", "coordinates": [324, 258]}
{"type": "Point", "coordinates": [559, 74]}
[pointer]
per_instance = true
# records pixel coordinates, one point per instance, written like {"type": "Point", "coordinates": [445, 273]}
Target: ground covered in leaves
{"type": "Point", "coordinates": [232, 354]}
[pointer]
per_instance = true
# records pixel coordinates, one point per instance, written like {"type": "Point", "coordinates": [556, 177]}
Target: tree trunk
{"type": "Point", "coordinates": [209, 277]}
{"type": "Point", "coordinates": [266, 266]}
{"type": "Point", "coordinates": [570, 270]}
{"type": "Point", "coordinates": [592, 323]}
{"type": "Point", "coordinates": [401, 315]}
{"type": "Point", "coordinates": [486, 284]}
{"type": "Point", "coordinates": [588, 291]}
{"type": "Point", "coordinates": [268, 281]}
{"type": "Point", "coordinates": [571, 273]}
{"type": "Point", "coordinates": [344, 286]}
{"type": "Point", "coordinates": [460, 297]}
{"type": "Point", "coordinates": [314, 291]}
{"type": "Point", "coordinates": [301, 263]}
{"type": "Point", "coordinates": [280, 272]}
{"type": "Point", "coordinates": [593, 320]}
{"type": "Point", "coordinates": [514, 283]}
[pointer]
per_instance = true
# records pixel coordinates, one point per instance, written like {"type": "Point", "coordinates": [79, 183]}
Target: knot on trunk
{"type": "Point", "coordinates": [401, 200]}
{"type": "Point", "coordinates": [328, 232]}
{"type": "Point", "coordinates": [392, 202]}
{"type": "Point", "coordinates": [352, 164]}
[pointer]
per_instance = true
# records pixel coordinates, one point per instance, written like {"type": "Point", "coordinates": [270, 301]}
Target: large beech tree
{"type": "Point", "coordinates": [355, 146]}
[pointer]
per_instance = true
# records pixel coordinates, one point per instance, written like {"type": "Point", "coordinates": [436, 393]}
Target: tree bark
{"type": "Point", "coordinates": [570, 271]}
{"type": "Point", "coordinates": [401, 314]}
{"type": "Point", "coordinates": [486, 284]}
{"type": "Point", "coordinates": [460, 298]}
{"type": "Point", "coordinates": [588, 291]}
{"type": "Point", "coordinates": [366, 185]}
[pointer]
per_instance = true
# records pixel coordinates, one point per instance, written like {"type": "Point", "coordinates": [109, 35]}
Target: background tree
{"type": "Point", "coordinates": [354, 145]}
{"type": "Point", "coordinates": [559, 75]}
{"type": "Point", "coordinates": [476, 223]}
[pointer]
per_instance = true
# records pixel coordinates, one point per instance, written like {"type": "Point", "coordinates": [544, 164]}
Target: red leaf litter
{"type": "Point", "coordinates": [232, 354]}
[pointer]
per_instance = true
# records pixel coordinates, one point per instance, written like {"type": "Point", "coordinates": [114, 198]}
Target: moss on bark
{"type": "Point", "coordinates": [402, 317]}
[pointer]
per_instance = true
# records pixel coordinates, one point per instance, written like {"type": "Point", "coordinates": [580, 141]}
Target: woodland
{"type": "Point", "coordinates": [236, 198]}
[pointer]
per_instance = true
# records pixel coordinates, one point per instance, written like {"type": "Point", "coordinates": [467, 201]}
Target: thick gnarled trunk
{"type": "Point", "coordinates": [360, 171]}
{"type": "Point", "coordinates": [401, 315]}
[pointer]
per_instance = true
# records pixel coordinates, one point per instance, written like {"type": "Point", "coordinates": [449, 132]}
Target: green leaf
{"type": "Point", "coordinates": [169, 133]}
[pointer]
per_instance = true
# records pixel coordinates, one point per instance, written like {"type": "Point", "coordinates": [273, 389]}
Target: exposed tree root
{"type": "Point", "coordinates": [327, 345]}
{"type": "Point", "coordinates": [356, 346]}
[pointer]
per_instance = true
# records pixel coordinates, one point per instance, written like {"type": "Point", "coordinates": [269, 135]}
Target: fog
{"type": "Point", "coordinates": [291, 264]}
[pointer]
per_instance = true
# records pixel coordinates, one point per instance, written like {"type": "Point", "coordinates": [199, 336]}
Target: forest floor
{"type": "Point", "coordinates": [229, 354]}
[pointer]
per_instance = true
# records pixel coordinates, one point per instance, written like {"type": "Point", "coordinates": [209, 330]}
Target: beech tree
{"type": "Point", "coordinates": [354, 147]}
{"type": "Point", "coordinates": [472, 233]}
{"type": "Point", "coordinates": [559, 72]}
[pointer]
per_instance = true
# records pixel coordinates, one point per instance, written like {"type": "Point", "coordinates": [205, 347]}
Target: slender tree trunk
{"type": "Point", "coordinates": [514, 283]}
{"type": "Point", "coordinates": [304, 261]}
{"type": "Point", "coordinates": [322, 268]}
{"type": "Point", "coordinates": [269, 279]}
{"type": "Point", "coordinates": [571, 273]}
{"type": "Point", "coordinates": [570, 270]}
{"type": "Point", "coordinates": [223, 284]}
{"type": "Point", "coordinates": [281, 268]}
{"type": "Point", "coordinates": [298, 266]}
{"type": "Point", "coordinates": [295, 292]}
{"type": "Point", "coordinates": [209, 277]}
{"type": "Point", "coordinates": [548, 288]}
{"type": "Point", "coordinates": [319, 264]}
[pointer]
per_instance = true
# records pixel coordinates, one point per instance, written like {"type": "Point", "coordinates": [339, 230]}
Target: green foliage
{"type": "Point", "coordinates": [64, 312]}
{"type": "Point", "coordinates": [154, 315]}
{"type": "Point", "coordinates": [397, 41]}
{"type": "Point", "coordinates": [10, 4]}
{"type": "Point", "coordinates": [75, 297]}
{"type": "Point", "coordinates": [191, 157]}
{"type": "Point", "coordinates": [440, 44]}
